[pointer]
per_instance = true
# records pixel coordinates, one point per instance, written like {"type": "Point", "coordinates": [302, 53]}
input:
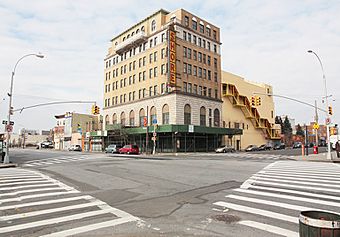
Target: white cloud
{"type": "Point", "coordinates": [264, 41]}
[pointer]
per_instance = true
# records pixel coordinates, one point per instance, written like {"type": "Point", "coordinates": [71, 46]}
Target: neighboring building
{"type": "Point", "coordinates": [164, 73]}
{"type": "Point", "coordinates": [322, 132]}
{"type": "Point", "coordinates": [75, 129]}
{"type": "Point", "coordinates": [237, 112]}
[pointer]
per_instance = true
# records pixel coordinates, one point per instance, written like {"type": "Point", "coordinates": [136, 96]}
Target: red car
{"type": "Point", "coordinates": [129, 149]}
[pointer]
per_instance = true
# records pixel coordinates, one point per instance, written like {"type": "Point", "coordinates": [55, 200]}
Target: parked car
{"type": "Point", "coordinates": [265, 147]}
{"type": "Point", "coordinates": [252, 148]}
{"type": "Point", "coordinates": [280, 146]}
{"type": "Point", "coordinates": [129, 149]}
{"type": "Point", "coordinates": [113, 148]}
{"type": "Point", "coordinates": [225, 149]}
{"type": "Point", "coordinates": [47, 144]}
{"type": "Point", "coordinates": [75, 148]}
{"type": "Point", "coordinates": [297, 145]}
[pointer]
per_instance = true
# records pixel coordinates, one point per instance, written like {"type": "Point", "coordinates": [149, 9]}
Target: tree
{"type": "Point", "coordinates": [286, 127]}
{"type": "Point", "coordinates": [299, 131]}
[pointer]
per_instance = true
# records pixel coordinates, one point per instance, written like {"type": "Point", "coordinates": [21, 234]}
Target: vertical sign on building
{"type": "Point", "coordinates": [172, 56]}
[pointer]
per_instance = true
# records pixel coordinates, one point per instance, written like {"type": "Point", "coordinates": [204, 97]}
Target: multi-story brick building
{"type": "Point", "coordinates": [166, 71]}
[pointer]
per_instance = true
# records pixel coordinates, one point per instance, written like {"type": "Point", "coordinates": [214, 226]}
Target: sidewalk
{"type": "Point", "coordinates": [321, 157]}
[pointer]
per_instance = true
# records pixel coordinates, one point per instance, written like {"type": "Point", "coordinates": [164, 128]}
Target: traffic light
{"type": "Point", "coordinates": [253, 102]}
{"type": "Point", "coordinates": [93, 109]}
{"type": "Point", "coordinates": [258, 100]}
{"type": "Point", "coordinates": [96, 109]}
{"type": "Point", "coordinates": [330, 110]}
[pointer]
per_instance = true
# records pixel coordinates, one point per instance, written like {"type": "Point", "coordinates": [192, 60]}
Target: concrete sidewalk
{"type": "Point", "coordinates": [321, 157]}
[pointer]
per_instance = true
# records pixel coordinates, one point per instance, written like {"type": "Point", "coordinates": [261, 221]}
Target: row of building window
{"type": "Point", "coordinates": [202, 29]}
{"type": "Point", "coordinates": [133, 65]}
{"type": "Point", "coordinates": [198, 41]}
{"type": "Point", "coordinates": [198, 72]}
{"type": "Point", "coordinates": [198, 56]}
{"type": "Point", "coordinates": [166, 117]}
{"type": "Point", "coordinates": [132, 52]}
{"type": "Point", "coordinates": [199, 90]}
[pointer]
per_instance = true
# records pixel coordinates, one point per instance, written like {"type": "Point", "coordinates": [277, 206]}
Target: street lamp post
{"type": "Point", "coordinates": [6, 159]}
{"type": "Point", "coordinates": [326, 97]}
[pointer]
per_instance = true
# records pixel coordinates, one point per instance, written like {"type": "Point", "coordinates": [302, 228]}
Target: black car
{"type": "Point", "coordinates": [265, 147]}
{"type": "Point", "coordinates": [280, 146]}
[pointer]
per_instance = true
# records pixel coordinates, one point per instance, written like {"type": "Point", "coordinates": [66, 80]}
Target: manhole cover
{"type": "Point", "coordinates": [226, 218]}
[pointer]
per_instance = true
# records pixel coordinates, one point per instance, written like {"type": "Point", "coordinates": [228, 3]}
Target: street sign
{"type": "Point", "coordinates": [11, 123]}
{"type": "Point", "coordinates": [154, 121]}
{"type": "Point", "coordinates": [328, 121]}
{"type": "Point", "coordinates": [316, 126]}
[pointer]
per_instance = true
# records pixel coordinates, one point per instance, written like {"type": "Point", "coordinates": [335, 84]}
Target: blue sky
{"type": "Point", "coordinates": [263, 41]}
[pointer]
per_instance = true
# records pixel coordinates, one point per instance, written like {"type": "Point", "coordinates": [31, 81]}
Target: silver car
{"type": "Point", "coordinates": [224, 149]}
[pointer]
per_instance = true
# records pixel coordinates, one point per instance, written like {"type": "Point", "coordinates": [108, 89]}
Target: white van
{"type": "Point", "coordinates": [333, 139]}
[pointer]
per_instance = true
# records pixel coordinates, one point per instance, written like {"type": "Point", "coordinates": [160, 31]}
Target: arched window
{"type": "Point", "coordinates": [165, 114]}
{"type": "Point", "coordinates": [141, 117]}
{"type": "Point", "coordinates": [114, 118]}
{"type": "Point", "coordinates": [187, 114]}
{"type": "Point", "coordinates": [132, 34]}
{"type": "Point", "coordinates": [137, 31]}
{"type": "Point", "coordinates": [128, 36]}
{"type": "Point", "coordinates": [123, 38]}
{"type": "Point", "coordinates": [203, 112]}
{"type": "Point", "coordinates": [122, 119]}
{"type": "Point", "coordinates": [153, 115]}
{"type": "Point", "coordinates": [132, 118]}
{"type": "Point", "coordinates": [143, 29]}
{"type": "Point", "coordinates": [107, 119]}
{"type": "Point", "coordinates": [216, 118]}
{"type": "Point", "coordinates": [153, 25]}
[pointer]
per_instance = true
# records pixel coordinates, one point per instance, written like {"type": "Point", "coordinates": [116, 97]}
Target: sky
{"type": "Point", "coordinates": [263, 41]}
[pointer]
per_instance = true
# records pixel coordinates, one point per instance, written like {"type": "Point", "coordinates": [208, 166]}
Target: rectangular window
{"type": "Point", "coordinates": [195, 89]}
{"type": "Point", "coordinates": [189, 37]}
{"type": "Point", "coordinates": [204, 73]}
{"type": "Point", "coordinates": [199, 57]}
{"type": "Point", "coordinates": [208, 44]}
{"type": "Point", "coordinates": [215, 48]}
{"type": "Point", "coordinates": [209, 92]}
{"type": "Point", "coordinates": [133, 95]}
{"type": "Point", "coordinates": [205, 92]}
{"type": "Point", "coordinates": [163, 69]}
{"type": "Point", "coordinates": [140, 62]}
{"type": "Point", "coordinates": [134, 65]}
{"type": "Point", "coordinates": [150, 91]}
{"type": "Point", "coordinates": [163, 53]}
{"type": "Point", "coordinates": [163, 37]}
{"type": "Point", "coordinates": [130, 96]}
{"type": "Point", "coordinates": [185, 87]}
{"type": "Point", "coordinates": [200, 72]}
{"type": "Point", "coordinates": [144, 60]}
{"type": "Point", "coordinates": [194, 71]}
{"type": "Point", "coordinates": [150, 44]}
{"type": "Point", "coordinates": [140, 94]}
{"type": "Point", "coordinates": [184, 35]}
{"type": "Point", "coordinates": [200, 42]}
{"type": "Point", "coordinates": [204, 59]}
{"type": "Point", "coordinates": [215, 76]}
{"type": "Point", "coordinates": [189, 69]}
{"type": "Point", "coordinates": [184, 52]}
{"type": "Point", "coordinates": [194, 39]}
{"type": "Point", "coordinates": [194, 55]}
{"type": "Point", "coordinates": [188, 54]}
{"type": "Point", "coordinates": [130, 66]}
{"type": "Point", "coordinates": [150, 58]}
{"type": "Point", "coordinates": [155, 56]}
{"type": "Point", "coordinates": [162, 88]}
{"type": "Point", "coordinates": [189, 88]}
{"type": "Point", "coordinates": [208, 32]}
{"type": "Point", "coordinates": [134, 79]}
{"type": "Point", "coordinates": [215, 63]}
{"type": "Point", "coordinates": [130, 80]}
{"type": "Point", "coordinates": [209, 75]}
{"type": "Point", "coordinates": [203, 43]}
{"type": "Point", "coordinates": [150, 73]}
{"type": "Point", "coordinates": [155, 90]}
{"type": "Point", "coordinates": [186, 21]}
{"type": "Point", "coordinates": [155, 72]}
{"type": "Point", "coordinates": [216, 93]}
{"type": "Point", "coordinates": [214, 34]}
{"type": "Point", "coordinates": [155, 41]}
{"type": "Point", "coordinates": [140, 76]}
{"type": "Point", "coordinates": [144, 92]}
{"type": "Point", "coordinates": [144, 75]}
{"type": "Point", "coordinates": [194, 25]}
{"type": "Point", "coordinates": [200, 90]}
{"type": "Point", "coordinates": [208, 60]}
{"type": "Point", "coordinates": [202, 28]}
{"type": "Point", "coordinates": [184, 68]}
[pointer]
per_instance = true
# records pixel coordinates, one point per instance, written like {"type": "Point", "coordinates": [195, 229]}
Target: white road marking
{"type": "Point", "coordinates": [290, 197]}
{"type": "Point", "coordinates": [92, 227]}
{"type": "Point", "coordinates": [19, 180]}
{"type": "Point", "coordinates": [301, 174]}
{"type": "Point", "coordinates": [19, 199]}
{"type": "Point", "coordinates": [30, 191]}
{"type": "Point", "coordinates": [28, 186]}
{"type": "Point", "coordinates": [52, 201]}
{"type": "Point", "coordinates": [26, 182]}
{"type": "Point", "coordinates": [52, 221]}
{"type": "Point", "coordinates": [286, 177]}
{"type": "Point", "coordinates": [257, 211]}
{"type": "Point", "coordinates": [269, 228]}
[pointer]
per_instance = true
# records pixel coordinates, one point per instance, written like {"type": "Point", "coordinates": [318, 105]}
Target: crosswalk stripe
{"type": "Point", "coordinates": [19, 180]}
{"type": "Point", "coordinates": [269, 228]}
{"type": "Point", "coordinates": [287, 177]}
{"type": "Point", "coordinates": [257, 211]}
{"type": "Point", "coordinates": [19, 199]}
{"type": "Point", "coordinates": [24, 182]}
{"type": "Point", "coordinates": [272, 203]}
{"type": "Point", "coordinates": [92, 227]}
{"type": "Point", "coordinates": [282, 180]}
{"type": "Point", "coordinates": [300, 174]}
{"type": "Point", "coordinates": [30, 191]}
{"type": "Point", "coordinates": [48, 211]}
{"type": "Point", "coordinates": [53, 221]}
{"type": "Point", "coordinates": [307, 171]}
{"type": "Point", "coordinates": [290, 197]}
{"type": "Point", "coordinates": [28, 186]}
{"type": "Point", "coordinates": [293, 186]}
{"type": "Point", "coordinates": [52, 201]}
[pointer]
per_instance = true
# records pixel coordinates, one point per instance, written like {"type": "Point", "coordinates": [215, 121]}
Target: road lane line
{"type": "Point", "coordinates": [257, 211]}
{"type": "Point", "coordinates": [92, 227]}
{"type": "Point", "coordinates": [269, 228]}
{"type": "Point", "coordinates": [52, 221]}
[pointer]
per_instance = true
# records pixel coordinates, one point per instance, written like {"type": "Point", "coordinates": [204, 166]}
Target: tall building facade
{"type": "Point", "coordinates": [163, 81]}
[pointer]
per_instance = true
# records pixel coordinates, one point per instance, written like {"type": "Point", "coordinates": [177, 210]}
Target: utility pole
{"type": "Point", "coordinates": [317, 122]}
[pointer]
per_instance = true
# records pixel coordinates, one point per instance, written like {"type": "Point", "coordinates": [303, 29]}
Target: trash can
{"type": "Point", "coordinates": [315, 150]}
{"type": "Point", "coordinates": [319, 224]}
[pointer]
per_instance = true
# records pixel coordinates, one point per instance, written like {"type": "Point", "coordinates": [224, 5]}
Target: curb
{"type": "Point", "coordinates": [8, 165]}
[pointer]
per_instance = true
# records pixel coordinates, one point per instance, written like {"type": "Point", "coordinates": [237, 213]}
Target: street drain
{"type": "Point", "coordinates": [227, 218]}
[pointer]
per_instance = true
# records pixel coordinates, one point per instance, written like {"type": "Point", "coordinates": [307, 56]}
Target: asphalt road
{"type": "Point", "coordinates": [166, 196]}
